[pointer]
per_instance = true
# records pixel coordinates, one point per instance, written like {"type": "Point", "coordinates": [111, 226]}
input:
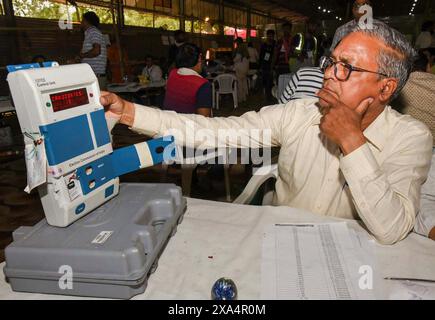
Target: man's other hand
{"type": "Point", "coordinates": [432, 234]}
{"type": "Point", "coordinates": [340, 123]}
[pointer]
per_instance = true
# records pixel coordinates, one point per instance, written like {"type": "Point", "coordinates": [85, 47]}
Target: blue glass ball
{"type": "Point", "coordinates": [224, 289]}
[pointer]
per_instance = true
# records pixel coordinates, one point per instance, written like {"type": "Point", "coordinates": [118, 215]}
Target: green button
{"type": "Point", "coordinates": [48, 104]}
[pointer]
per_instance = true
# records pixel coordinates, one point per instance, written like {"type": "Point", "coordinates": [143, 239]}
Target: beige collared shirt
{"type": "Point", "coordinates": [379, 183]}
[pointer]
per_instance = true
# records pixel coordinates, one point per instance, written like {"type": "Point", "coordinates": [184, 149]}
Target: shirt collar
{"type": "Point", "coordinates": [376, 133]}
{"type": "Point", "coordinates": [188, 72]}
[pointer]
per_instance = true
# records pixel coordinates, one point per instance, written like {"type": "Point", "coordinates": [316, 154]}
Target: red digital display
{"type": "Point", "coordinates": [69, 99]}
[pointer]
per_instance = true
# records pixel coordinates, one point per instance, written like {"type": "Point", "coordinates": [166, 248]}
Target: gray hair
{"type": "Point", "coordinates": [395, 61]}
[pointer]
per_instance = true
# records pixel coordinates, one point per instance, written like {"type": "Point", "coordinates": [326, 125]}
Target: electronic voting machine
{"type": "Point", "coordinates": [69, 156]}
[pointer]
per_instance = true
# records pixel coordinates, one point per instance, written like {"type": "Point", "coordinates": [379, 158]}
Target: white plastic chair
{"type": "Point", "coordinates": [261, 176]}
{"type": "Point", "coordinates": [227, 84]}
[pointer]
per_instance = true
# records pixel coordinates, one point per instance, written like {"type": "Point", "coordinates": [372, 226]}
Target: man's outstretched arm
{"type": "Point", "coordinates": [252, 130]}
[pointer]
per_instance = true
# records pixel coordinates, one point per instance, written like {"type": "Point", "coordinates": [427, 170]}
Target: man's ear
{"type": "Point", "coordinates": [388, 88]}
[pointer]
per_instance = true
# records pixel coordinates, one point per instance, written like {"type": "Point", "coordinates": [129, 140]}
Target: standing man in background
{"type": "Point", "coordinates": [253, 56]}
{"type": "Point", "coordinates": [266, 63]}
{"type": "Point", "coordinates": [180, 39]}
{"type": "Point", "coordinates": [284, 50]}
{"type": "Point", "coordinates": [348, 27]}
{"type": "Point", "coordinates": [94, 50]}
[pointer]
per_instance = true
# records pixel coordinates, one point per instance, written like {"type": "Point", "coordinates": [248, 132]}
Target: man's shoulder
{"type": "Point", "coordinates": [421, 76]}
{"type": "Point", "coordinates": [405, 124]}
{"type": "Point", "coordinates": [94, 30]}
{"type": "Point", "coordinates": [347, 25]}
{"type": "Point", "coordinates": [304, 107]}
{"type": "Point", "coordinates": [310, 71]}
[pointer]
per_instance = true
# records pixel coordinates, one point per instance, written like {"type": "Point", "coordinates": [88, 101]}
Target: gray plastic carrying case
{"type": "Point", "coordinates": [108, 253]}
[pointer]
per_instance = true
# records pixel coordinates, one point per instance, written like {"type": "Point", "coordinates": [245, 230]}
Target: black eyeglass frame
{"type": "Point", "coordinates": [348, 66]}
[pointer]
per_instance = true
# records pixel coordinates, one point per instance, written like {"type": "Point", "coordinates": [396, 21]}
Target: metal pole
{"type": "Point", "coordinates": [348, 10]}
{"type": "Point", "coordinates": [116, 23]}
{"type": "Point", "coordinates": [221, 17]}
{"type": "Point", "coordinates": [182, 15]}
{"type": "Point", "coordinates": [248, 25]}
{"type": "Point", "coordinates": [15, 56]}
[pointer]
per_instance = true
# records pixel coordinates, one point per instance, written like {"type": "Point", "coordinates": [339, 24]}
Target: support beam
{"type": "Point", "coordinates": [221, 17]}
{"type": "Point", "coordinates": [117, 11]}
{"type": "Point", "coordinates": [182, 15]}
{"type": "Point", "coordinates": [14, 56]}
{"type": "Point", "coordinates": [248, 25]}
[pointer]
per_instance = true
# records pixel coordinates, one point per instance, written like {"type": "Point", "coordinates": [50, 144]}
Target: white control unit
{"type": "Point", "coordinates": [60, 106]}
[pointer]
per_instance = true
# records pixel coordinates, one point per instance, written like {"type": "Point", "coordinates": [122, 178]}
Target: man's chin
{"type": "Point", "coordinates": [322, 104]}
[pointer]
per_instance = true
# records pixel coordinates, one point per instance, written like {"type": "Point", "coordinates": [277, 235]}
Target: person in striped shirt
{"type": "Point", "coordinates": [305, 83]}
{"type": "Point", "coordinates": [94, 50]}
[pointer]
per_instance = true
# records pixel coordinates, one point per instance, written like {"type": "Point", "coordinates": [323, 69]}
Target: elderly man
{"type": "Point", "coordinates": [352, 157]}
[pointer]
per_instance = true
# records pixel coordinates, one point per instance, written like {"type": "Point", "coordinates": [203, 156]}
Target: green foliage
{"type": "Point", "coordinates": [167, 23]}
{"type": "Point", "coordinates": [40, 9]}
{"type": "Point", "coordinates": [196, 26]}
{"type": "Point", "coordinates": [103, 13]}
{"type": "Point", "coordinates": [54, 10]}
{"type": "Point", "coordinates": [139, 19]}
{"type": "Point", "coordinates": [188, 26]}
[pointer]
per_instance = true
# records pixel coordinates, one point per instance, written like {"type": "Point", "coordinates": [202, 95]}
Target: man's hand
{"type": "Point", "coordinates": [117, 108]}
{"type": "Point", "coordinates": [340, 123]}
{"type": "Point", "coordinates": [432, 234]}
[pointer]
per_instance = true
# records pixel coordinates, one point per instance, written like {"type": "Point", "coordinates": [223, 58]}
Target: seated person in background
{"type": "Point", "coordinates": [152, 71]}
{"type": "Point", "coordinates": [418, 100]}
{"type": "Point", "coordinates": [39, 58]}
{"type": "Point", "coordinates": [352, 157]}
{"type": "Point", "coordinates": [186, 90]}
{"type": "Point", "coordinates": [305, 83]}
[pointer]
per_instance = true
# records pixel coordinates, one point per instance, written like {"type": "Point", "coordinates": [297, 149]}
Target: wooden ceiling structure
{"type": "Point", "coordinates": [296, 11]}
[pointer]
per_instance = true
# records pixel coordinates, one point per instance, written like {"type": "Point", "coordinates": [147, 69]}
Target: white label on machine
{"type": "Point", "coordinates": [73, 186]}
{"type": "Point", "coordinates": [102, 237]}
{"type": "Point", "coordinates": [36, 163]}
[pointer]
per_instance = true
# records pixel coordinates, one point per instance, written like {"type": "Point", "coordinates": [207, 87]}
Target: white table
{"type": "Point", "coordinates": [219, 239]}
{"type": "Point", "coordinates": [6, 106]}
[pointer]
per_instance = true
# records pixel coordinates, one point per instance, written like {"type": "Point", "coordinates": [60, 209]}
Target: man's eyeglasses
{"type": "Point", "coordinates": [342, 70]}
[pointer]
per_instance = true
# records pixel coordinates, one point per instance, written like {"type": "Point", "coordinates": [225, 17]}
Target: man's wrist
{"type": "Point", "coordinates": [352, 143]}
{"type": "Point", "coordinates": [128, 112]}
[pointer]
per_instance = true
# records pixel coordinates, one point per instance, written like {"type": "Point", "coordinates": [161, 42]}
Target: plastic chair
{"type": "Point", "coordinates": [263, 182]}
{"type": "Point", "coordinates": [227, 84]}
